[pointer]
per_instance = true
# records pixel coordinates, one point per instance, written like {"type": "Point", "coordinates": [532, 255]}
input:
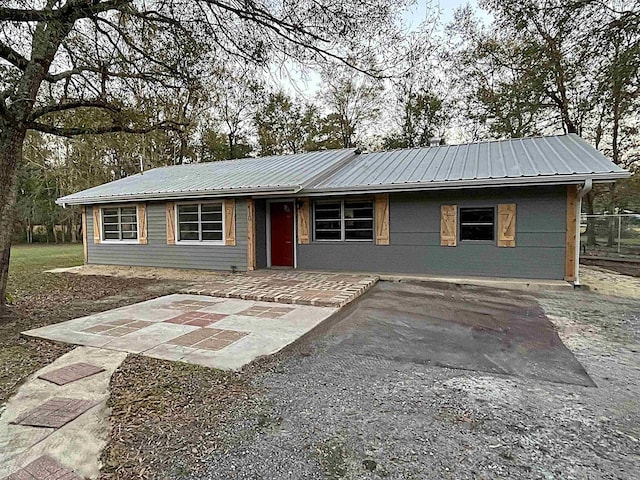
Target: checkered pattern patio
{"type": "Point", "coordinates": [291, 286]}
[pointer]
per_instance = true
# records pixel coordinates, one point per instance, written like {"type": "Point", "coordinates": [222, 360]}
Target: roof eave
{"type": "Point", "coordinates": [178, 195]}
{"type": "Point", "coordinates": [474, 183]}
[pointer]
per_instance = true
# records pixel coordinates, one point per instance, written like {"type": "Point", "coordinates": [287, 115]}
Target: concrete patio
{"type": "Point", "coordinates": [209, 331]}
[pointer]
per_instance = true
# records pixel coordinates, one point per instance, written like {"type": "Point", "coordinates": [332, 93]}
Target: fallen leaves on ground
{"type": "Point", "coordinates": [165, 416]}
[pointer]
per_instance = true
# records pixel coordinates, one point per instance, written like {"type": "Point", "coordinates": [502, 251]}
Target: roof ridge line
{"type": "Point", "coordinates": [339, 165]}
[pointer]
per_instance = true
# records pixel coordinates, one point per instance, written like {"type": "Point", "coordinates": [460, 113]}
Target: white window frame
{"type": "Point", "coordinates": [120, 241]}
{"type": "Point", "coordinates": [198, 242]}
{"type": "Point", "coordinates": [343, 221]}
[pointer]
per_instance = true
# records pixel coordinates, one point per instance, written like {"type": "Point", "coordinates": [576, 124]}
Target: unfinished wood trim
{"type": "Point", "coordinates": [251, 234]}
{"type": "Point", "coordinates": [229, 207]}
{"type": "Point", "coordinates": [171, 223]}
{"type": "Point", "coordinates": [448, 225]}
{"type": "Point", "coordinates": [303, 221]}
{"type": "Point", "coordinates": [570, 243]}
{"type": "Point", "coordinates": [382, 219]}
{"type": "Point", "coordinates": [142, 223]}
{"type": "Point", "coordinates": [507, 225]}
{"type": "Point", "coordinates": [84, 234]}
{"type": "Point", "coordinates": [96, 225]}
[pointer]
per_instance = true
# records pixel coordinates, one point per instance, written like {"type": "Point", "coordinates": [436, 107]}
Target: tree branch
{"type": "Point", "coordinates": [70, 132]}
{"type": "Point", "coordinates": [72, 105]}
{"type": "Point", "coordinates": [73, 10]}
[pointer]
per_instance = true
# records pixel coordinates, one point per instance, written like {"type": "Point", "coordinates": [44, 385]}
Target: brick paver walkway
{"type": "Point", "coordinates": [44, 468]}
{"type": "Point", "coordinates": [71, 373]}
{"type": "Point", "coordinates": [290, 286]}
{"type": "Point", "coordinates": [54, 413]}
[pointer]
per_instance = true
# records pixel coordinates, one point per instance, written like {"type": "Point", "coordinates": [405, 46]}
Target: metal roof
{"type": "Point", "coordinates": [554, 159]}
{"type": "Point", "coordinates": [561, 159]}
{"type": "Point", "coordinates": [283, 174]}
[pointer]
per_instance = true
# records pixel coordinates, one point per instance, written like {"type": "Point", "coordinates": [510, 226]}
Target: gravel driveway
{"type": "Point", "coordinates": [347, 402]}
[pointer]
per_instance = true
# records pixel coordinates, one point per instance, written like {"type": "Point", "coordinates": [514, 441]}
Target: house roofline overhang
{"type": "Point", "coordinates": [180, 195]}
{"type": "Point", "coordinates": [479, 183]}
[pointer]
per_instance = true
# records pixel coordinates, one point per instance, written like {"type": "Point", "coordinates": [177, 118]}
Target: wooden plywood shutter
{"type": "Point", "coordinates": [251, 235]}
{"type": "Point", "coordinates": [171, 223]}
{"type": "Point", "coordinates": [229, 207]}
{"type": "Point", "coordinates": [570, 239]}
{"type": "Point", "coordinates": [507, 225]}
{"type": "Point", "coordinates": [448, 225]}
{"type": "Point", "coordinates": [96, 225]}
{"type": "Point", "coordinates": [382, 219]}
{"type": "Point", "coordinates": [303, 221]}
{"type": "Point", "coordinates": [142, 223]}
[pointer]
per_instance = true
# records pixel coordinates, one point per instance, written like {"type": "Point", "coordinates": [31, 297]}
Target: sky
{"type": "Point", "coordinates": [418, 12]}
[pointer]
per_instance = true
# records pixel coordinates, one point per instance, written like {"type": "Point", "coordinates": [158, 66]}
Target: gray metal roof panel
{"type": "Point", "coordinates": [559, 159]}
{"type": "Point", "coordinates": [254, 175]}
{"type": "Point", "coordinates": [544, 157]}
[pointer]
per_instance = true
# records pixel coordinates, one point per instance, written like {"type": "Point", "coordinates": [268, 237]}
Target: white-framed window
{"type": "Point", "coordinates": [477, 223]}
{"type": "Point", "coordinates": [200, 222]}
{"type": "Point", "coordinates": [119, 224]}
{"type": "Point", "coordinates": [343, 220]}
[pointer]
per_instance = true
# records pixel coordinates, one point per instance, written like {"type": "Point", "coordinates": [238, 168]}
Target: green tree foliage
{"type": "Point", "coordinates": [424, 117]}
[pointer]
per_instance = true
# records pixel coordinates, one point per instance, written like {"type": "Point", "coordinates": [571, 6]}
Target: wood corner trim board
{"type": "Point", "coordinates": [571, 240]}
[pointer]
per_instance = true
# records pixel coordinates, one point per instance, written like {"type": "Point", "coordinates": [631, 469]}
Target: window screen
{"type": "Point", "coordinates": [200, 222]}
{"type": "Point", "coordinates": [343, 220]}
{"type": "Point", "coordinates": [477, 223]}
{"type": "Point", "coordinates": [120, 223]}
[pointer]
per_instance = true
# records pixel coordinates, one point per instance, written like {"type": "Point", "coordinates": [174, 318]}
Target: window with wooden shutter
{"type": "Point", "coordinates": [171, 223]}
{"type": "Point", "coordinates": [142, 223]}
{"type": "Point", "coordinates": [96, 225]}
{"type": "Point", "coordinates": [382, 219]}
{"type": "Point", "coordinates": [507, 225]}
{"type": "Point", "coordinates": [230, 222]}
{"type": "Point", "coordinates": [448, 223]}
{"type": "Point", "coordinates": [303, 221]}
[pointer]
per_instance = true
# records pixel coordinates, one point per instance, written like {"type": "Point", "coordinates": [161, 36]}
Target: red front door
{"type": "Point", "coordinates": [282, 234]}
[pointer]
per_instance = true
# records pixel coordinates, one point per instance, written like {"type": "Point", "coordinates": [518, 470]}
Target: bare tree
{"type": "Point", "coordinates": [58, 57]}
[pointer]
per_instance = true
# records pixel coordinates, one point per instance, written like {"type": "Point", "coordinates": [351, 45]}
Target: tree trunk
{"type": "Point", "coordinates": [11, 142]}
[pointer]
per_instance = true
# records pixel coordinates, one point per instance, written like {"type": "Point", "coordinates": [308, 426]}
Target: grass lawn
{"type": "Point", "coordinates": [38, 299]}
{"type": "Point", "coordinates": [29, 261]}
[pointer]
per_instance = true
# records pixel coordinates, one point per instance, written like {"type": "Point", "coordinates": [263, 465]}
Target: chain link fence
{"type": "Point", "coordinates": [610, 235]}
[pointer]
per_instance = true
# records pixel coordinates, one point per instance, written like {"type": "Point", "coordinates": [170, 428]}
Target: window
{"type": "Point", "coordinates": [477, 224]}
{"type": "Point", "coordinates": [343, 220]}
{"type": "Point", "coordinates": [120, 223]}
{"type": "Point", "coordinates": [200, 222]}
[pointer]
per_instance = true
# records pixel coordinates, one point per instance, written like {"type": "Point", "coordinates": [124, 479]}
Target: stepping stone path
{"type": "Point", "coordinates": [54, 414]}
{"type": "Point", "coordinates": [71, 373]}
{"type": "Point", "coordinates": [44, 468]}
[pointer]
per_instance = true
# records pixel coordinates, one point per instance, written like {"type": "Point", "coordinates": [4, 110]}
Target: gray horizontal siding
{"type": "Point", "coordinates": [156, 253]}
{"type": "Point", "coordinates": [414, 224]}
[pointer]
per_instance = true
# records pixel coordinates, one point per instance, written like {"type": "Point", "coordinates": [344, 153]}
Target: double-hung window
{"type": "Point", "coordinates": [340, 220]}
{"type": "Point", "coordinates": [120, 224]}
{"type": "Point", "coordinates": [477, 224]}
{"type": "Point", "coordinates": [200, 222]}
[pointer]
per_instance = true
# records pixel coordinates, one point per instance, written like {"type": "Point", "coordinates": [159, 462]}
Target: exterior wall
{"type": "Point", "coordinates": [415, 238]}
{"type": "Point", "coordinates": [261, 233]}
{"type": "Point", "coordinates": [156, 253]}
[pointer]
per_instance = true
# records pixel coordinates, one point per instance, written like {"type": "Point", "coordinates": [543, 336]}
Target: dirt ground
{"type": "Point", "coordinates": [65, 297]}
{"type": "Point", "coordinates": [631, 269]}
